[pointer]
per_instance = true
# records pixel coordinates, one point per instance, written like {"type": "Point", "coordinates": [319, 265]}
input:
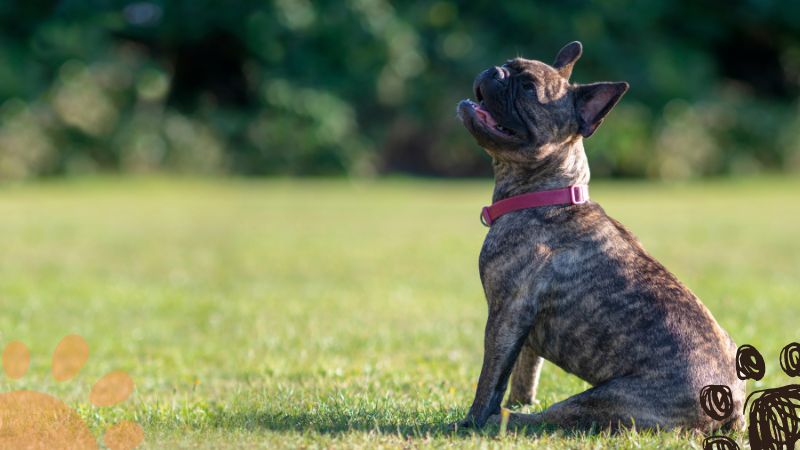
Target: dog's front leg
{"type": "Point", "coordinates": [506, 330]}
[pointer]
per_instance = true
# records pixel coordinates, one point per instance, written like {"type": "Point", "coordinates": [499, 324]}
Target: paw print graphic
{"type": "Point", "coordinates": [774, 414]}
{"type": "Point", "coordinates": [35, 420]}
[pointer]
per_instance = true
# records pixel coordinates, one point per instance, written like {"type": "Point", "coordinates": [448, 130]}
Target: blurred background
{"type": "Point", "coordinates": [365, 87]}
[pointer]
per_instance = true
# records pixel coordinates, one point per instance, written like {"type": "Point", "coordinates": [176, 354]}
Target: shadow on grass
{"type": "Point", "coordinates": [404, 424]}
{"type": "Point", "coordinates": [341, 422]}
{"type": "Point", "coordinates": [339, 419]}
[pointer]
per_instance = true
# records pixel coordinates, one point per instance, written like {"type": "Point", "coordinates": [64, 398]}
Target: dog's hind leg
{"type": "Point", "coordinates": [525, 378]}
{"type": "Point", "coordinates": [620, 403]}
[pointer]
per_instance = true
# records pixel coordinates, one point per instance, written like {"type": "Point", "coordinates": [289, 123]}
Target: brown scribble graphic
{"type": "Point", "coordinates": [719, 443]}
{"type": "Point", "coordinates": [773, 415]}
{"type": "Point", "coordinates": [717, 401]}
{"type": "Point", "coordinates": [775, 418]}
{"type": "Point", "coordinates": [790, 359]}
{"type": "Point", "coordinates": [749, 363]}
{"type": "Point", "coordinates": [34, 420]}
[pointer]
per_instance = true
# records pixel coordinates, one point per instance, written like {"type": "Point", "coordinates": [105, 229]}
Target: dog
{"type": "Point", "coordinates": [567, 283]}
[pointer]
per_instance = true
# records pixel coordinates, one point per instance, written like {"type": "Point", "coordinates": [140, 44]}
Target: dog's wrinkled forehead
{"type": "Point", "coordinates": [549, 83]}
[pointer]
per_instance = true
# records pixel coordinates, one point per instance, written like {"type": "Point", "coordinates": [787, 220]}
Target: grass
{"type": "Point", "coordinates": [335, 313]}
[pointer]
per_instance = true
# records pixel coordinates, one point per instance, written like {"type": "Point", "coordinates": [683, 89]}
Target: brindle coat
{"type": "Point", "coordinates": [569, 284]}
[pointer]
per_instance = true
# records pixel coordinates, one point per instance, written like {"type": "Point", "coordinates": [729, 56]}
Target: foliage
{"type": "Point", "coordinates": [323, 87]}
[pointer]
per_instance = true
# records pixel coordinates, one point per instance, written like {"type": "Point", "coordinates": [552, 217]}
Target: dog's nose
{"type": "Point", "coordinates": [500, 73]}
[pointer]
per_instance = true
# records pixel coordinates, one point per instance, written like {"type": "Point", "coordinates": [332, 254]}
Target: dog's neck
{"type": "Point", "coordinates": [558, 167]}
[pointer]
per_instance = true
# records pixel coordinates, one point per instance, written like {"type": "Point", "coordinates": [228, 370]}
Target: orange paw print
{"type": "Point", "coordinates": [34, 420]}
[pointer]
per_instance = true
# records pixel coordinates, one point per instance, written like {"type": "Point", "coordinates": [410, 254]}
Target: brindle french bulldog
{"type": "Point", "coordinates": [569, 284]}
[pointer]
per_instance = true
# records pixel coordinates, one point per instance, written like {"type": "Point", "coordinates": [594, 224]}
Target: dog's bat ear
{"type": "Point", "coordinates": [566, 58]}
{"type": "Point", "coordinates": [594, 101]}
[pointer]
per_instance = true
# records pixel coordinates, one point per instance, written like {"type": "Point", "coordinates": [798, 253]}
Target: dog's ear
{"type": "Point", "coordinates": [594, 101]}
{"type": "Point", "coordinates": [566, 58]}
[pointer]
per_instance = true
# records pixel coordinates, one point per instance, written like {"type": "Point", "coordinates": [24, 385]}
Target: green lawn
{"type": "Point", "coordinates": [337, 313]}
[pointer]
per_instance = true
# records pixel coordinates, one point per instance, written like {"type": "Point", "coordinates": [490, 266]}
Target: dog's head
{"type": "Point", "coordinates": [526, 108]}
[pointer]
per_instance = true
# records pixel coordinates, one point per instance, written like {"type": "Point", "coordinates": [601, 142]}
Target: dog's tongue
{"type": "Point", "coordinates": [485, 116]}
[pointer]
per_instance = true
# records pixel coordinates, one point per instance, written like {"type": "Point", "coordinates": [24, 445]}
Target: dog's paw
{"type": "Point", "coordinates": [494, 419]}
{"type": "Point", "coordinates": [521, 403]}
{"type": "Point", "coordinates": [461, 425]}
{"type": "Point", "coordinates": [505, 415]}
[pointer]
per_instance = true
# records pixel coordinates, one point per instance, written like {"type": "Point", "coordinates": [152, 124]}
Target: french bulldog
{"type": "Point", "coordinates": [569, 284]}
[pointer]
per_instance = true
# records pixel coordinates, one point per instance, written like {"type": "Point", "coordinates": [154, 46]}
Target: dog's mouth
{"type": "Point", "coordinates": [486, 119]}
{"type": "Point", "coordinates": [482, 115]}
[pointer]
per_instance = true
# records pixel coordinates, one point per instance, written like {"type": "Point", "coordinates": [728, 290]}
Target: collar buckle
{"type": "Point", "coordinates": [579, 194]}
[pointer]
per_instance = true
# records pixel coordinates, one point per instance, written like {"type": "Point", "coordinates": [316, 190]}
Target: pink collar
{"type": "Point", "coordinates": [572, 195]}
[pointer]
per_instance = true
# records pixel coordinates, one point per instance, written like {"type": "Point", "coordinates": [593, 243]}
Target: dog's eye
{"type": "Point", "coordinates": [528, 86]}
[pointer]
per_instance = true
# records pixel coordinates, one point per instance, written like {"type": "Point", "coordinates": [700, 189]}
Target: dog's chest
{"type": "Point", "coordinates": [512, 259]}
